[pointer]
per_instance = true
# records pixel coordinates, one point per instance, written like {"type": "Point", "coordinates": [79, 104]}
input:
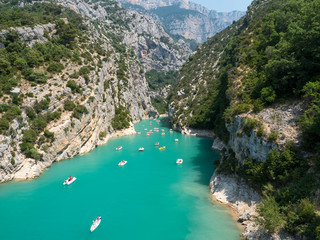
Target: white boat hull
{"type": "Point", "coordinates": [95, 225]}
{"type": "Point", "coordinates": [69, 182]}
{"type": "Point", "coordinates": [122, 163]}
{"type": "Point", "coordinates": [179, 161]}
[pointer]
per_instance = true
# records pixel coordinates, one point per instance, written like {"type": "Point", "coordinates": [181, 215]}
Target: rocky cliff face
{"type": "Point", "coordinates": [155, 49]}
{"type": "Point", "coordinates": [280, 119]}
{"type": "Point", "coordinates": [212, 90]}
{"type": "Point", "coordinates": [131, 43]}
{"type": "Point", "coordinates": [188, 19]}
{"type": "Point", "coordinates": [32, 35]}
{"type": "Point", "coordinates": [76, 136]}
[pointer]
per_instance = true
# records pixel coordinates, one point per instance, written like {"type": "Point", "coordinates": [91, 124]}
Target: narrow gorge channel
{"type": "Point", "coordinates": [151, 197]}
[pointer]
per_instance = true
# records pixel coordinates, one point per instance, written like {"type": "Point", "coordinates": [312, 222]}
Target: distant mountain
{"type": "Point", "coordinates": [185, 18]}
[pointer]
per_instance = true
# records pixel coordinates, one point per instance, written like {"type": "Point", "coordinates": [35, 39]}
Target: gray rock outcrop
{"type": "Point", "coordinates": [31, 35]}
{"type": "Point", "coordinates": [192, 22]}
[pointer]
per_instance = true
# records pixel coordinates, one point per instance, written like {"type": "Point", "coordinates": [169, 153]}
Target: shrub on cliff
{"type": "Point", "coordinates": [79, 110]}
{"type": "Point", "coordinates": [270, 217]}
{"type": "Point", "coordinates": [69, 105]}
{"type": "Point", "coordinates": [102, 134]}
{"type": "Point", "coordinates": [55, 67]}
{"type": "Point", "coordinates": [73, 86]}
{"type": "Point", "coordinates": [4, 124]}
{"type": "Point", "coordinates": [121, 118]}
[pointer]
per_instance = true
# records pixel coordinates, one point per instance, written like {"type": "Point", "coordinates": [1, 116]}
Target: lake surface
{"type": "Point", "coordinates": [150, 198]}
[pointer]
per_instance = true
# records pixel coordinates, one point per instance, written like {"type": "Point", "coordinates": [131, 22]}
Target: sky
{"type": "Point", "coordinates": [224, 5]}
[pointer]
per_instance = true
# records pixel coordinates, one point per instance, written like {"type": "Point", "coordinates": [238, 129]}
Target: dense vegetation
{"type": "Point", "coordinates": [270, 56]}
{"type": "Point", "coordinates": [157, 81]}
{"type": "Point", "coordinates": [19, 61]}
{"type": "Point", "coordinates": [121, 118]}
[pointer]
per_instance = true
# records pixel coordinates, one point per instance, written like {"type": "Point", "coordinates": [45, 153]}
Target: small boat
{"type": "Point", "coordinates": [163, 134]}
{"type": "Point", "coordinates": [95, 224]}
{"type": "Point", "coordinates": [156, 144]}
{"type": "Point", "coordinates": [162, 130]}
{"type": "Point", "coordinates": [160, 148]}
{"type": "Point", "coordinates": [122, 163]}
{"type": "Point", "coordinates": [176, 140]}
{"type": "Point", "coordinates": [139, 132]}
{"type": "Point", "coordinates": [69, 181]}
{"type": "Point", "coordinates": [179, 161]}
{"type": "Point", "coordinates": [146, 129]}
{"type": "Point", "coordinates": [148, 134]}
{"type": "Point", "coordinates": [119, 148]}
{"type": "Point", "coordinates": [141, 148]}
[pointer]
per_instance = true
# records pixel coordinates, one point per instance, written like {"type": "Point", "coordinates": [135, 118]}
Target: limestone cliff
{"type": "Point", "coordinates": [103, 76]}
{"type": "Point", "coordinates": [155, 49]}
{"type": "Point", "coordinates": [185, 18]}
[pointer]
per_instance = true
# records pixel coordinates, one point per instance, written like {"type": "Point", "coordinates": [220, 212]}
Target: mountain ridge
{"type": "Point", "coordinates": [185, 18]}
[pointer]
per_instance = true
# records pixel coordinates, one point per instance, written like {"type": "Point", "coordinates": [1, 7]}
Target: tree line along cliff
{"type": "Point", "coordinates": [265, 62]}
{"type": "Point", "coordinates": [73, 72]}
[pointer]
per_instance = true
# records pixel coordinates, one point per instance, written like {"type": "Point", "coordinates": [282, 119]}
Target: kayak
{"type": "Point", "coordinates": [95, 224]}
{"type": "Point", "coordinates": [179, 161]}
{"type": "Point", "coordinates": [162, 147]}
{"type": "Point", "coordinates": [69, 182]}
{"type": "Point", "coordinates": [119, 148]}
{"type": "Point", "coordinates": [122, 163]}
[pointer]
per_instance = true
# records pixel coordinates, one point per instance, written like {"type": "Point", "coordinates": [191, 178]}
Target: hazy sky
{"type": "Point", "coordinates": [225, 5]}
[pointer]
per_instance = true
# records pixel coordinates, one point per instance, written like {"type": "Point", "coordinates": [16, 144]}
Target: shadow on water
{"type": "Point", "coordinates": [204, 162]}
{"type": "Point", "coordinates": [165, 122]}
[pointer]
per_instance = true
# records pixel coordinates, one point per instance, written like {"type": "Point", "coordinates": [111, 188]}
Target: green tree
{"type": "Point", "coordinates": [270, 217]}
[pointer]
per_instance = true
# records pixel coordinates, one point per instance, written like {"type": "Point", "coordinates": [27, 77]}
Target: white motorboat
{"type": "Point", "coordinates": [122, 163]}
{"type": "Point", "coordinates": [68, 182]}
{"type": "Point", "coordinates": [95, 224]}
{"type": "Point", "coordinates": [179, 161]}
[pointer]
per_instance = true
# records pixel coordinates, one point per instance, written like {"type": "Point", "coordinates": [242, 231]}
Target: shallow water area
{"type": "Point", "coordinates": [151, 197]}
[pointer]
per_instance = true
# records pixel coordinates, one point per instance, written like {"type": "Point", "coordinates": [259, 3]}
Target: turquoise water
{"type": "Point", "coordinates": [151, 197]}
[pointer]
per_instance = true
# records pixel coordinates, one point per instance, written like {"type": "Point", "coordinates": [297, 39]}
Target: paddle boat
{"type": "Point", "coordinates": [122, 163]}
{"type": "Point", "coordinates": [156, 144]}
{"type": "Point", "coordinates": [141, 148]}
{"type": "Point", "coordinates": [69, 180]}
{"type": "Point", "coordinates": [160, 148]}
{"type": "Point", "coordinates": [176, 140]}
{"type": "Point", "coordinates": [119, 148]}
{"type": "Point", "coordinates": [179, 161]}
{"type": "Point", "coordinates": [95, 224]}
